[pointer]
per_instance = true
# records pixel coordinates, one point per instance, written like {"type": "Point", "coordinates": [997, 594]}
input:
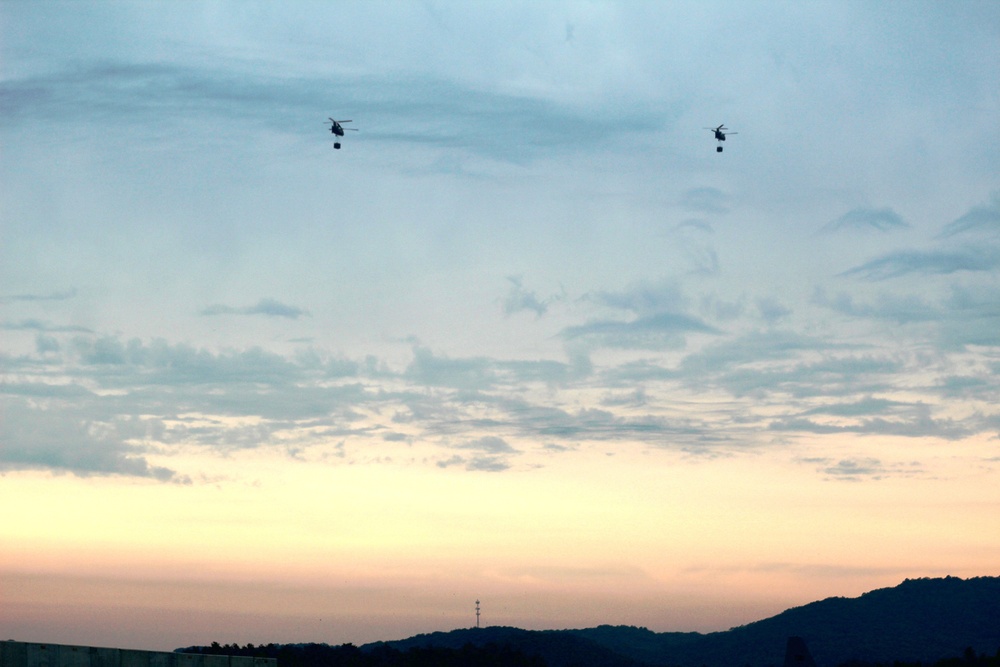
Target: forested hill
{"type": "Point", "coordinates": [921, 620]}
{"type": "Point", "coordinates": [951, 622]}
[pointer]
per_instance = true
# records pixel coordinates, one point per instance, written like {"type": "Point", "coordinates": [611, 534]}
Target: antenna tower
{"type": "Point", "coordinates": [477, 613]}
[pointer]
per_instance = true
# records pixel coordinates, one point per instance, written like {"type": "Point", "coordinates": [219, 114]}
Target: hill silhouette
{"type": "Point", "coordinates": [920, 620]}
{"type": "Point", "coordinates": [947, 622]}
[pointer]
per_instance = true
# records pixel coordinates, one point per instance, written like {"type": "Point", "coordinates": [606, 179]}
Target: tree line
{"type": "Point", "coordinates": [382, 655]}
{"type": "Point", "coordinates": [969, 658]}
{"type": "Point", "coordinates": [486, 655]}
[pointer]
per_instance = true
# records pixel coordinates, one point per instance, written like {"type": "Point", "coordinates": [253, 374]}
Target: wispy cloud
{"type": "Point", "coordinates": [966, 315]}
{"type": "Point", "coordinates": [643, 298]}
{"type": "Point", "coordinates": [33, 324]}
{"type": "Point", "coordinates": [481, 463]}
{"type": "Point", "coordinates": [694, 239]}
{"type": "Point", "coordinates": [863, 468]}
{"type": "Point", "coordinates": [66, 441]}
{"type": "Point", "coordinates": [521, 299]}
{"type": "Point", "coordinates": [408, 107]}
{"type": "Point", "coordinates": [984, 219]}
{"type": "Point", "coordinates": [468, 373]}
{"type": "Point", "coordinates": [901, 309]}
{"type": "Point", "coordinates": [772, 310]}
{"type": "Point", "coordinates": [968, 257]}
{"type": "Point", "coordinates": [664, 330]}
{"type": "Point", "coordinates": [115, 397]}
{"type": "Point", "coordinates": [492, 454]}
{"type": "Point", "coordinates": [51, 296]}
{"type": "Point", "coordinates": [929, 262]}
{"type": "Point", "coordinates": [860, 219]}
{"type": "Point", "coordinates": [490, 445]}
{"type": "Point", "coordinates": [266, 307]}
{"type": "Point", "coordinates": [658, 321]}
{"type": "Point", "coordinates": [866, 406]}
{"type": "Point", "coordinates": [917, 424]}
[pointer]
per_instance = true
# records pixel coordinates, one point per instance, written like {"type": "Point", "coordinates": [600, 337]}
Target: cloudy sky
{"type": "Point", "coordinates": [527, 337]}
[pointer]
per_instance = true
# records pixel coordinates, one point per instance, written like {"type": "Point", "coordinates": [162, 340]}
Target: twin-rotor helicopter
{"type": "Point", "coordinates": [337, 129]}
{"type": "Point", "coordinates": [720, 135]}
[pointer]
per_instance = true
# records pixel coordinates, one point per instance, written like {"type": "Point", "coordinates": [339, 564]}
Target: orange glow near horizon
{"type": "Point", "coordinates": [680, 545]}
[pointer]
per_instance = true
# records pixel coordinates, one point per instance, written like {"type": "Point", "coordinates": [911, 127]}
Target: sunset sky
{"type": "Point", "coordinates": [526, 338]}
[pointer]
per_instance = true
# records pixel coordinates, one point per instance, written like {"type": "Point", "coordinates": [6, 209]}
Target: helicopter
{"type": "Point", "coordinates": [720, 134]}
{"type": "Point", "coordinates": [338, 130]}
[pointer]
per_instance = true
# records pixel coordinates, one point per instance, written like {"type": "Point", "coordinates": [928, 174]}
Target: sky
{"type": "Point", "coordinates": [526, 338]}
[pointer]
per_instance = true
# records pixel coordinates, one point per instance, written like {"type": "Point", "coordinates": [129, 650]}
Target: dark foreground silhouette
{"type": "Point", "coordinates": [947, 622]}
{"type": "Point", "coordinates": [349, 655]}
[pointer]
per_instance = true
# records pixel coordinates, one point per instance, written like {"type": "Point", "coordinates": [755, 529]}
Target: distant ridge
{"type": "Point", "coordinates": [558, 648]}
{"type": "Point", "coordinates": [923, 620]}
{"type": "Point", "coordinates": [919, 620]}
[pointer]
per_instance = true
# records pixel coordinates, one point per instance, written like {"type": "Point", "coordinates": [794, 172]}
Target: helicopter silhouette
{"type": "Point", "coordinates": [338, 130]}
{"type": "Point", "coordinates": [720, 134]}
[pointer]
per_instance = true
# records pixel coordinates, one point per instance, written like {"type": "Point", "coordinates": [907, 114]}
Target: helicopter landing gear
{"type": "Point", "coordinates": [336, 145]}
{"type": "Point", "coordinates": [718, 149]}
